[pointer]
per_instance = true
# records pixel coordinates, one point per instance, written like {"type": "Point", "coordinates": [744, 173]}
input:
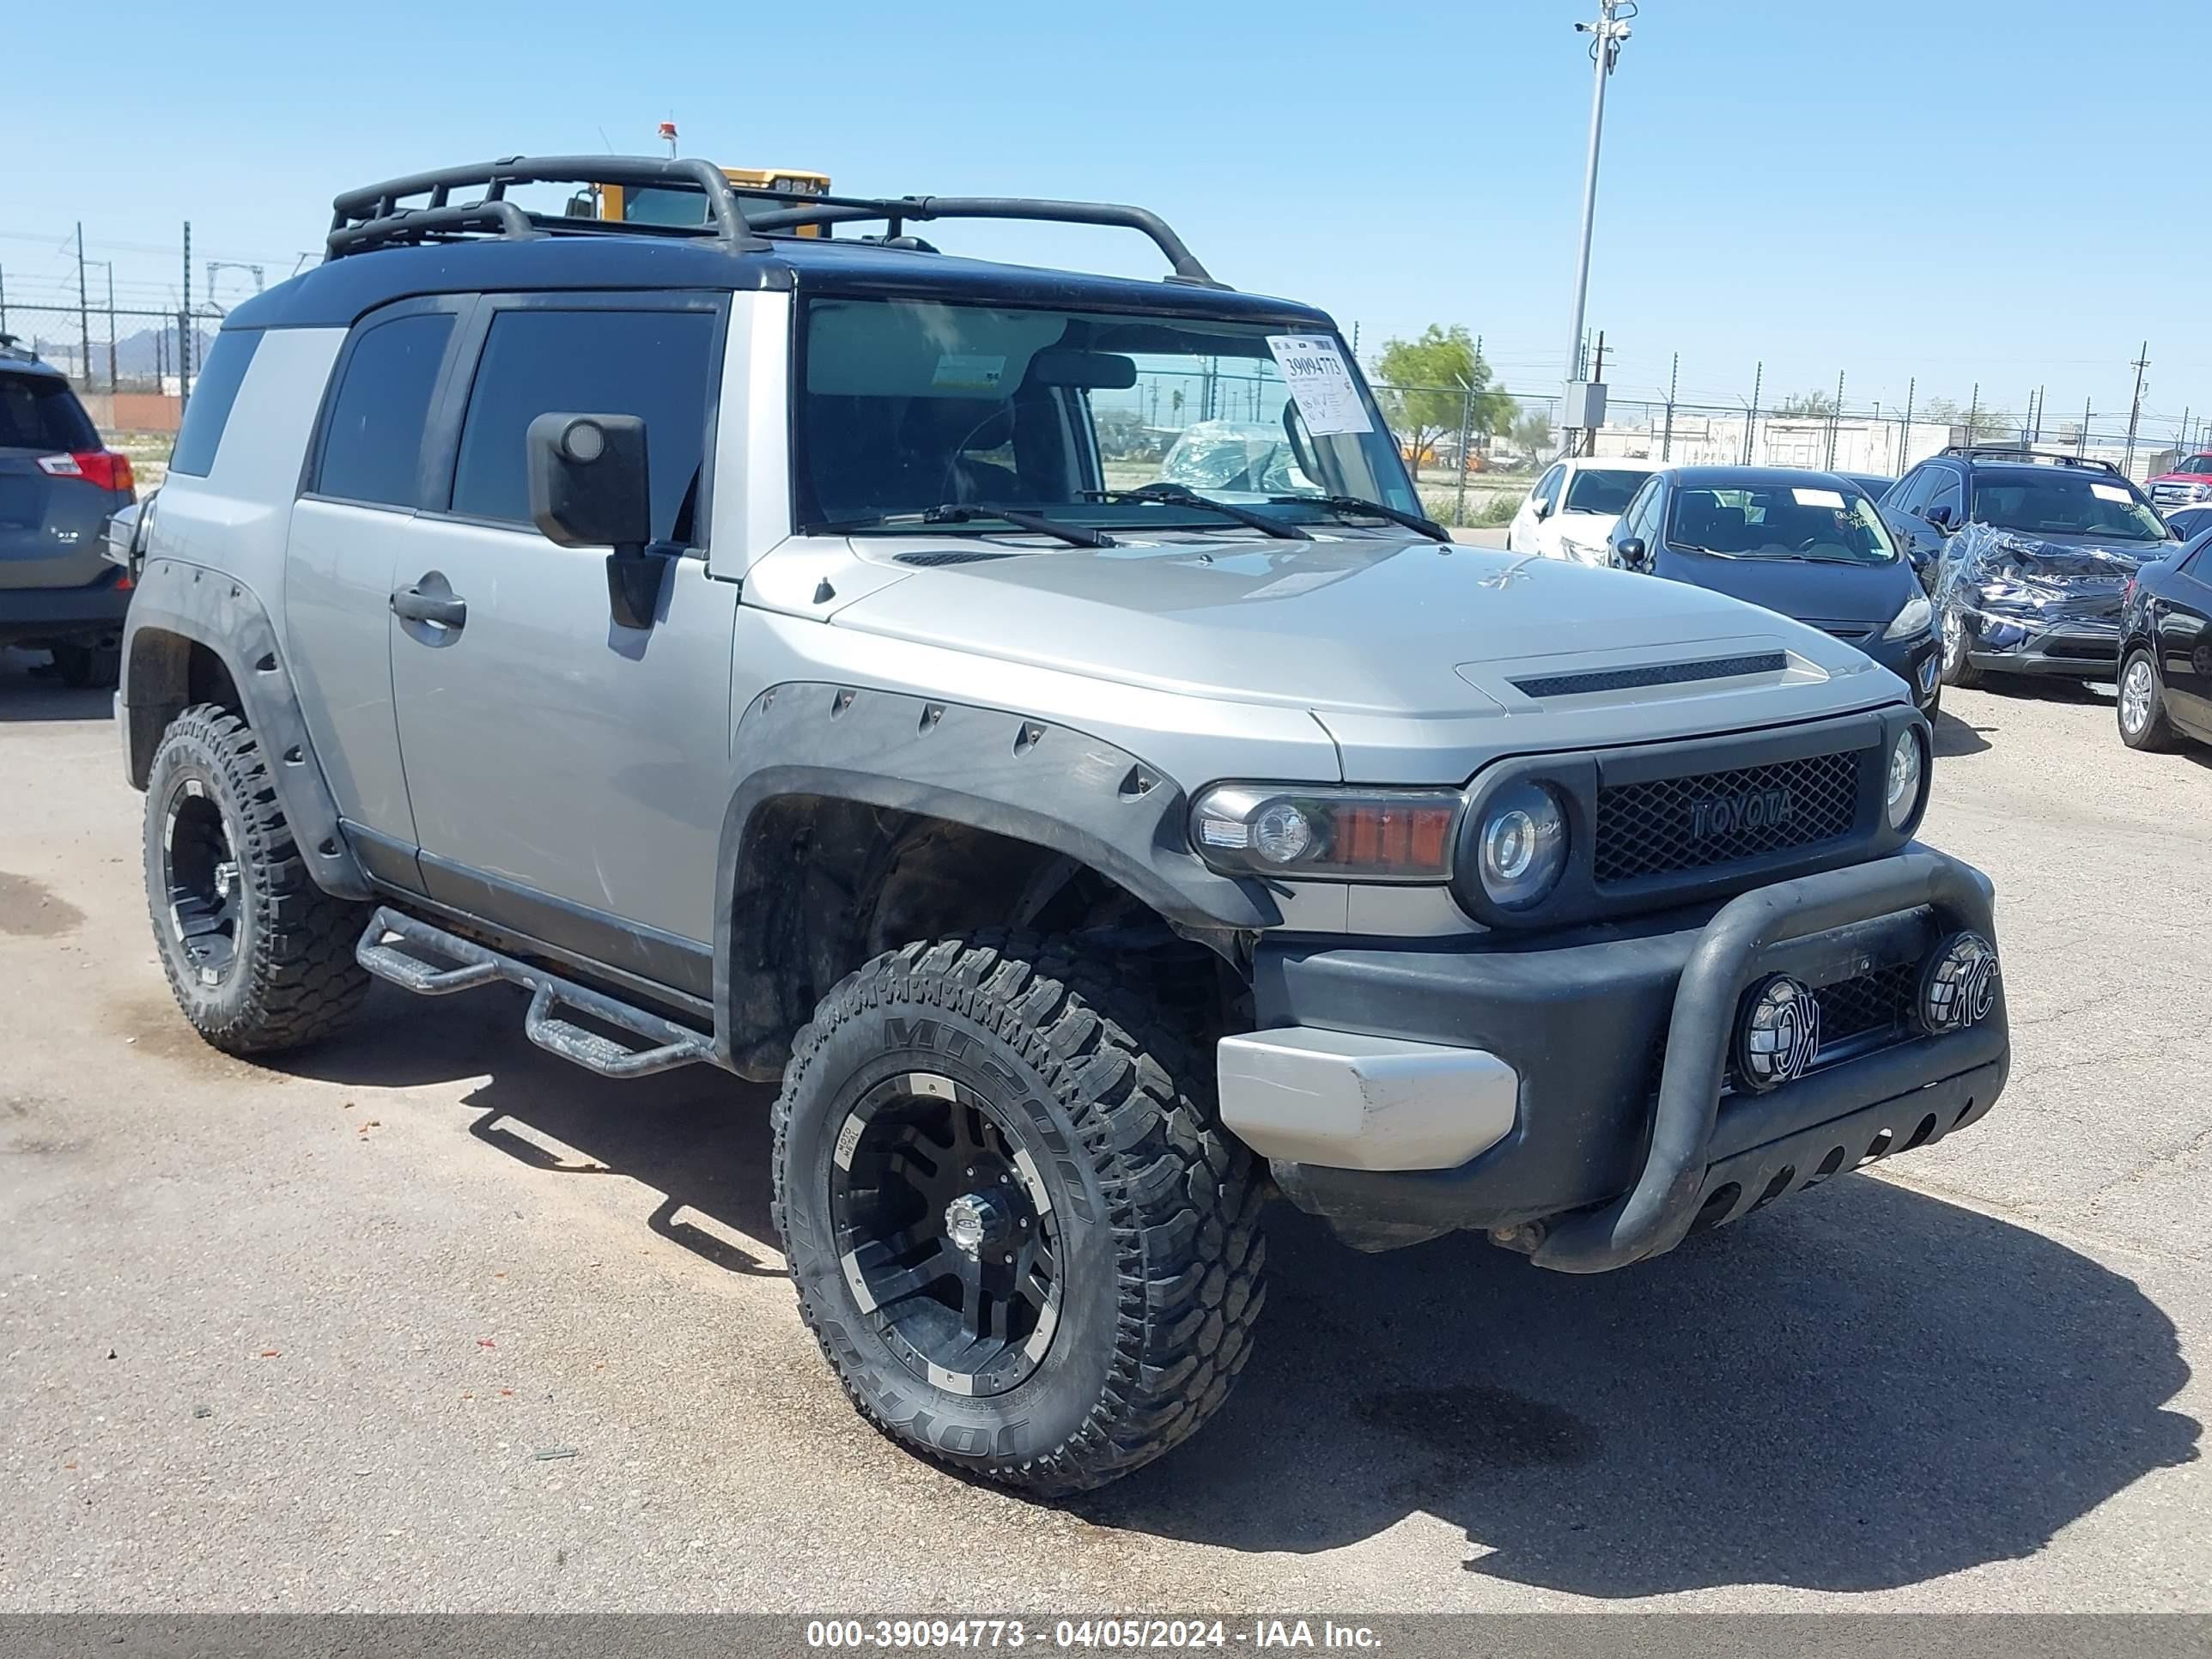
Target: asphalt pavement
{"type": "Point", "coordinates": [426, 1319]}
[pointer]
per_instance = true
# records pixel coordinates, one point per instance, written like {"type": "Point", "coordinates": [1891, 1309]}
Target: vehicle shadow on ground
{"type": "Point", "coordinates": [29, 691]}
{"type": "Point", "coordinates": [1953, 737]}
{"type": "Point", "coordinates": [1863, 1388]}
{"type": "Point", "coordinates": [697, 1136]}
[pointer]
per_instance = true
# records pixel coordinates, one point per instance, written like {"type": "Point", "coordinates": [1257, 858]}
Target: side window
{"type": "Point", "coordinates": [213, 393]}
{"type": "Point", "coordinates": [657, 365]}
{"type": "Point", "coordinates": [1947, 493]}
{"type": "Point", "coordinates": [1638, 521]}
{"type": "Point", "coordinates": [373, 443]}
{"type": "Point", "coordinates": [1547, 493]}
{"type": "Point", "coordinates": [1906, 495]}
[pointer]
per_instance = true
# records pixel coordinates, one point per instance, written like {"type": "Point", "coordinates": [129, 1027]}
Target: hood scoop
{"type": "Point", "coordinates": [930, 558]}
{"type": "Point", "coordinates": [1652, 674]}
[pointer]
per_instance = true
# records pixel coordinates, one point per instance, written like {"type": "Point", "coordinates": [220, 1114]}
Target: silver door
{"type": "Point", "coordinates": [568, 776]}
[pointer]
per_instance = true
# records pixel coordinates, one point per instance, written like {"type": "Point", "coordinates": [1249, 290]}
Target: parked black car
{"type": "Point", "coordinates": [2166, 650]}
{"type": "Point", "coordinates": [1808, 545]}
{"type": "Point", "coordinates": [2024, 555]}
{"type": "Point", "coordinates": [58, 486]}
{"type": "Point", "coordinates": [2187, 521]}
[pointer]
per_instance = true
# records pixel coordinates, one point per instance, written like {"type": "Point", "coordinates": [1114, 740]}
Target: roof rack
{"type": "Point", "coordinates": [375, 216]}
{"type": "Point", "coordinates": [2022, 452]}
{"type": "Point", "coordinates": [895, 211]}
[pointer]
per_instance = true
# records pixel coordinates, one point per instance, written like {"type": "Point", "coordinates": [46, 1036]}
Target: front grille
{"type": "Point", "coordinates": [2081, 647]}
{"type": "Point", "coordinates": [2174, 495]}
{"type": "Point", "coordinates": [1854, 632]}
{"type": "Point", "coordinates": [1672, 824]}
{"type": "Point", "coordinates": [1880, 1001]}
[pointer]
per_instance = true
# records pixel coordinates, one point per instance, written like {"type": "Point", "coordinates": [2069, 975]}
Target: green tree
{"type": "Point", "coordinates": [1532, 431]}
{"type": "Point", "coordinates": [1807, 405]}
{"type": "Point", "coordinates": [1433, 383]}
{"type": "Point", "coordinates": [1975, 425]}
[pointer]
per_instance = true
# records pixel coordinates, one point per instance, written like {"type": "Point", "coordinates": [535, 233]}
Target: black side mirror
{"type": "Point", "coordinates": [1542, 509]}
{"type": "Point", "coordinates": [1939, 519]}
{"type": "Point", "coordinates": [1632, 553]}
{"type": "Point", "coordinates": [589, 487]}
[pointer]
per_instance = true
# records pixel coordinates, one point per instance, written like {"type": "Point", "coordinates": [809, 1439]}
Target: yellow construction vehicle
{"type": "Point", "coordinates": [650, 205]}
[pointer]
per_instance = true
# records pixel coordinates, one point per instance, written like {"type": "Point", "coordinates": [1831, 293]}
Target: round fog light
{"type": "Point", "coordinates": [1959, 984]}
{"type": "Point", "coordinates": [1778, 1036]}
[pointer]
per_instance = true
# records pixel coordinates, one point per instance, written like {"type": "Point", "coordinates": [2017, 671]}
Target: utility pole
{"type": "Point", "coordinates": [1673, 382]}
{"type": "Point", "coordinates": [2082, 448]}
{"type": "Point", "coordinates": [2135, 414]}
{"type": "Point", "coordinates": [1605, 51]}
{"type": "Point", "coordinates": [83, 317]}
{"type": "Point", "coordinates": [110, 264]}
{"type": "Point", "coordinates": [3, 303]}
{"type": "Point", "coordinates": [185, 329]}
{"type": "Point", "coordinates": [1835, 419]}
{"type": "Point", "coordinates": [1904, 437]}
{"type": "Point", "coordinates": [1597, 377]}
{"type": "Point", "coordinates": [1751, 425]}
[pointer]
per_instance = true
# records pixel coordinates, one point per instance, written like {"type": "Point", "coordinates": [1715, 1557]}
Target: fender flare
{"type": "Point", "coordinates": [1012, 774]}
{"type": "Point", "coordinates": [221, 612]}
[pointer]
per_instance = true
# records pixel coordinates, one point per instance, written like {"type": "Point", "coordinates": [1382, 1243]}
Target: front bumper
{"type": "Point", "coordinates": [2075, 646]}
{"type": "Point", "coordinates": [1918, 661]}
{"type": "Point", "coordinates": [1623, 1132]}
{"type": "Point", "coordinates": [29, 614]}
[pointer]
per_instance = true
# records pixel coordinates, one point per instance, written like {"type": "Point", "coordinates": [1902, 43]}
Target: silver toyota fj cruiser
{"type": "Point", "coordinates": [1026, 712]}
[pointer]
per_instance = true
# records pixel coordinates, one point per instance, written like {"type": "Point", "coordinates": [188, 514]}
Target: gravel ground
{"type": "Point", "coordinates": [426, 1319]}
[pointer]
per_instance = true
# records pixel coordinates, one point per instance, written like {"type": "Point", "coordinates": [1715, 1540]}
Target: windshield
{"type": "Point", "coordinates": [2065, 504]}
{"type": "Point", "coordinates": [1780, 521]}
{"type": "Point", "coordinates": [2195, 463]}
{"type": "Point", "coordinates": [913, 404]}
{"type": "Point", "coordinates": [1603, 490]}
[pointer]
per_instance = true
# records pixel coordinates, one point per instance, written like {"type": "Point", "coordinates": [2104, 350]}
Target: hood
{"type": "Point", "coordinates": [1399, 629]}
{"type": "Point", "coordinates": [2183, 478]}
{"type": "Point", "coordinates": [1805, 589]}
{"type": "Point", "coordinates": [2043, 559]}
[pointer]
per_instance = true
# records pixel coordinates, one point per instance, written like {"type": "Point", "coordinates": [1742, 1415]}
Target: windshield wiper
{"type": "Point", "coordinates": [1174, 494]}
{"type": "Point", "coordinates": [1074, 534]}
{"type": "Point", "coordinates": [1343, 506]}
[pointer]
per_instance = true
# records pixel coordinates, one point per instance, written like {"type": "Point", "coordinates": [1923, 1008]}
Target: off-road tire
{"type": "Point", "coordinates": [1957, 670]}
{"type": "Point", "coordinates": [2155, 736]}
{"type": "Point", "coordinates": [1162, 1247]}
{"type": "Point", "coordinates": [294, 978]}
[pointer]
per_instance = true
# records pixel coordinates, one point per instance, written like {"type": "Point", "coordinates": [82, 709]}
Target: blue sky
{"type": "Point", "coordinates": [1960, 191]}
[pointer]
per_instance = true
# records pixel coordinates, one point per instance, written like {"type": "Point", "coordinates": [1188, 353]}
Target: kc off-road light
{"type": "Point", "coordinates": [1908, 770]}
{"type": "Point", "coordinates": [1326, 835]}
{"type": "Point", "coordinates": [1958, 985]}
{"type": "Point", "coordinates": [1522, 845]}
{"type": "Point", "coordinates": [1778, 1034]}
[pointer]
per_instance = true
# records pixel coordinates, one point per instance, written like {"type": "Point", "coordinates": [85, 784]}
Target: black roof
{"type": "Point", "coordinates": [335, 293]}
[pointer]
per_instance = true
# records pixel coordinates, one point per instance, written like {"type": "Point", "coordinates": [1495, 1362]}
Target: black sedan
{"type": "Point", "coordinates": [1808, 545]}
{"type": "Point", "coordinates": [2166, 650]}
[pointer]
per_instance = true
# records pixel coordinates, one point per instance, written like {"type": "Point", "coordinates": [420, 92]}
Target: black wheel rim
{"type": "Point", "coordinates": [200, 872]}
{"type": "Point", "coordinates": [946, 1233]}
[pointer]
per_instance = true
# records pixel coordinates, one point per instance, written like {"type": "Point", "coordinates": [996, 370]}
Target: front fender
{"type": "Point", "coordinates": [175, 601]}
{"type": "Point", "coordinates": [1011, 775]}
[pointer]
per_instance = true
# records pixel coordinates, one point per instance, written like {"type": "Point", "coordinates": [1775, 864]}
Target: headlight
{"type": "Point", "coordinates": [1907, 768]}
{"type": "Point", "coordinates": [1522, 846]}
{"type": "Point", "coordinates": [1916, 618]}
{"type": "Point", "coordinates": [1326, 835]}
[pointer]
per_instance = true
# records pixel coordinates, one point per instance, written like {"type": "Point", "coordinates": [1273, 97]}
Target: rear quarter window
{"type": "Point", "coordinates": [373, 443]}
{"type": "Point", "coordinates": [40, 412]}
{"type": "Point", "coordinates": [208, 412]}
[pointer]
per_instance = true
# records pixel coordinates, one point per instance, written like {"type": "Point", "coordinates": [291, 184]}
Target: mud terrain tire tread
{"type": "Point", "coordinates": [1183, 1197]}
{"type": "Point", "coordinates": [299, 982]}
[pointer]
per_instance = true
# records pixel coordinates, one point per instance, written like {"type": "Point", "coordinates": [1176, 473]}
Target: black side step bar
{"type": "Point", "coordinates": [672, 1044]}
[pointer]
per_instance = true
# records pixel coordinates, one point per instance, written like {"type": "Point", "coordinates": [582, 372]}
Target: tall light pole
{"type": "Point", "coordinates": [1608, 32]}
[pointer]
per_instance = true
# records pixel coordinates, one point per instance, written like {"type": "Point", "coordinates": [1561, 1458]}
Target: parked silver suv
{"type": "Point", "coordinates": [790, 654]}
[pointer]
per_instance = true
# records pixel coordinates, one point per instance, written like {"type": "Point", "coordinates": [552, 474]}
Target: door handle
{"type": "Point", "coordinates": [413, 605]}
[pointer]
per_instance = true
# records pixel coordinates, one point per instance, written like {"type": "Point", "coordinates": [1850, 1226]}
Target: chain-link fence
{"type": "Point", "coordinates": [133, 369]}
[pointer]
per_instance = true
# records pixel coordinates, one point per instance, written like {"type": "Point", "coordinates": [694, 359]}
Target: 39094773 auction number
{"type": "Point", "coordinates": [1070, 1635]}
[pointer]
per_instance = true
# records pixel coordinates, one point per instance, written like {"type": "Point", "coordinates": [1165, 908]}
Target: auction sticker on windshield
{"type": "Point", "coordinates": [2109, 493]}
{"type": "Point", "coordinates": [1314, 371]}
{"type": "Point", "coordinates": [1819, 497]}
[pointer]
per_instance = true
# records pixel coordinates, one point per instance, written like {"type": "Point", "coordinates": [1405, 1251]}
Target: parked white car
{"type": "Point", "coordinates": [1571, 513]}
